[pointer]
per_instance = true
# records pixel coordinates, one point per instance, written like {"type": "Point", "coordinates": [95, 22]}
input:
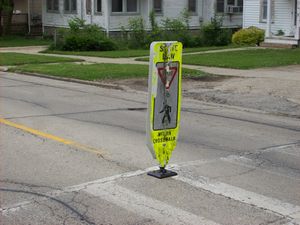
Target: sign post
{"type": "Point", "coordinates": [164, 101]}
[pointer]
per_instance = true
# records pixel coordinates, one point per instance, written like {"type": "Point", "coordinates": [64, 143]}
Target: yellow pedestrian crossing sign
{"type": "Point", "coordinates": [164, 100]}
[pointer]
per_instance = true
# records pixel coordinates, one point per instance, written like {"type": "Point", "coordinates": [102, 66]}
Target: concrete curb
{"type": "Point", "coordinates": [118, 87]}
{"type": "Point", "coordinates": [93, 83]}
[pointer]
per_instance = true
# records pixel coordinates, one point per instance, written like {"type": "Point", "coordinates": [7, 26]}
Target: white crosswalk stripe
{"type": "Point", "coordinates": [145, 206]}
{"type": "Point", "coordinates": [244, 196]}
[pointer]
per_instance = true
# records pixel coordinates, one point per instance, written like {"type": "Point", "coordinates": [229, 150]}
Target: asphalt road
{"type": "Point", "coordinates": [76, 154]}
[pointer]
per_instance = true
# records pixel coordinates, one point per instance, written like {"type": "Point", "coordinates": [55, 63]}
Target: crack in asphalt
{"type": "Point", "coordinates": [80, 112]}
{"type": "Point", "coordinates": [29, 185]}
{"type": "Point", "coordinates": [74, 211]}
{"type": "Point", "coordinates": [191, 110]}
{"type": "Point", "coordinates": [28, 102]}
{"type": "Point", "coordinates": [21, 85]}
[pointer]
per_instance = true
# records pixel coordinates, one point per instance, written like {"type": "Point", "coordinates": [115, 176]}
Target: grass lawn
{"type": "Point", "coordinates": [246, 59]}
{"type": "Point", "coordinates": [96, 71]}
{"type": "Point", "coordinates": [9, 59]}
{"type": "Point", "coordinates": [17, 41]}
{"type": "Point", "coordinates": [129, 53]}
{"type": "Point", "coordinates": [105, 54]}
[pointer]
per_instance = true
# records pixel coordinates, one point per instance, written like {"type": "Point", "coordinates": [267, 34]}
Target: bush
{"type": "Point", "coordinates": [84, 37]}
{"type": "Point", "coordinates": [178, 30]}
{"type": "Point", "coordinates": [248, 36]}
{"type": "Point", "coordinates": [212, 34]}
{"type": "Point", "coordinates": [155, 33]}
{"type": "Point", "coordinates": [138, 34]}
{"type": "Point", "coordinates": [170, 30]}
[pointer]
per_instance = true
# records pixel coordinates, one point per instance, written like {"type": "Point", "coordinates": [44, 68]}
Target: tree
{"type": "Point", "coordinates": [6, 13]}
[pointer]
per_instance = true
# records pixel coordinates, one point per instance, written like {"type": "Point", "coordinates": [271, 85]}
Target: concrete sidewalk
{"type": "Point", "coordinates": [285, 72]}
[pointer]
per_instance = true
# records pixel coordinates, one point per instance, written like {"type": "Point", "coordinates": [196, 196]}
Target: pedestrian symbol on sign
{"type": "Point", "coordinates": [166, 110]}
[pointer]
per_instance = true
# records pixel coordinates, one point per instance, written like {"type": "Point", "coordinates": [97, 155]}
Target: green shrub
{"type": "Point", "coordinates": [155, 30]}
{"type": "Point", "coordinates": [138, 34]}
{"type": "Point", "coordinates": [84, 37]}
{"type": "Point", "coordinates": [248, 36]}
{"type": "Point", "coordinates": [212, 34]}
{"type": "Point", "coordinates": [178, 30]}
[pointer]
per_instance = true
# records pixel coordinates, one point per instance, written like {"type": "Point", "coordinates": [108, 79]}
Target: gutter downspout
{"type": "Point", "coordinates": [82, 9]}
{"type": "Point", "coordinates": [149, 11]}
{"type": "Point", "coordinates": [107, 15]}
{"type": "Point", "coordinates": [92, 10]}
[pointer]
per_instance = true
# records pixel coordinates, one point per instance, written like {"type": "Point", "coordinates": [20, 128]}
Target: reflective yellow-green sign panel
{"type": "Point", "coordinates": [164, 99]}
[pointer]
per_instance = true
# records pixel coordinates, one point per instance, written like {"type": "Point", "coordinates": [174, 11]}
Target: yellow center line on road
{"type": "Point", "coordinates": [52, 137]}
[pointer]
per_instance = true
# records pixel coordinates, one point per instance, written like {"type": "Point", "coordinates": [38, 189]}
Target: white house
{"type": "Point", "coordinates": [114, 14]}
{"type": "Point", "coordinates": [279, 18]}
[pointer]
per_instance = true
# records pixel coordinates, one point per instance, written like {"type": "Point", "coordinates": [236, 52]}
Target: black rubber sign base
{"type": "Point", "coordinates": [162, 173]}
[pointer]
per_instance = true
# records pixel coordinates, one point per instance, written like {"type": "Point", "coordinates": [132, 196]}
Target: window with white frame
{"type": "Point", "coordinates": [157, 6]}
{"type": "Point", "coordinates": [229, 6]}
{"type": "Point", "coordinates": [264, 10]}
{"type": "Point", "coordinates": [70, 6]}
{"type": "Point", "coordinates": [125, 6]}
{"type": "Point", "coordinates": [88, 7]}
{"type": "Point", "coordinates": [52, 5]}
{"type": "Point", "coordinates": [98, 6]}
{"type": "Point", "coordinates": [192, 6]}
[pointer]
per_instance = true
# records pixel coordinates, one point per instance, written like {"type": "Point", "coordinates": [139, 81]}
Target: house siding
{"type": "Point", "coordinates": [171, 9]}
{"type": "Point", "coordinates": [282, 16]}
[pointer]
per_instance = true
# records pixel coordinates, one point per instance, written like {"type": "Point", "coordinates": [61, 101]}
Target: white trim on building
{"type": "Point", "coordinates": [279, 18]}
{"type": "Point", "coordinates": [204, 10]}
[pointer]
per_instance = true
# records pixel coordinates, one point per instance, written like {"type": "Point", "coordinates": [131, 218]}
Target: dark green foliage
{"type": "Point", "coordinates": [84, 37]}
{"type": "Point", "coordinates": [6, 10]}
{"type": "Point", "coordinates": [212, 34]}
{"type": "Point", "coordinates": [138, 34]}
{"type": "Point", "coordinates": [155, 31]}
{"type": "Point", "coordinates": [176, 30]}
{"type": "Point", "coordinates": [170, 30]}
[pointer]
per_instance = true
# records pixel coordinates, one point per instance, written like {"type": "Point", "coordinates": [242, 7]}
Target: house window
{"type": "Point", "coordinates": [117, 5]}
{"type": "Point", "coordinates": [98, 6]}
{"type": "Point", "coordinates": [192, 6]}
{"type": "Point", "coordinates": [88, 7]}
{"type": "Point", "coordinates": [229, 6]}
{"type": "Point", "coordinates": [52, 5]}
{"type": "Point", "coordinates": [70, 6]}
{"type": "Point", "coordinates": [131, 5]}
{"type": "Point", "coordinates": [220, 6]}
{"type": "Point", "coordinates": [125, 6]}
{"type": "Point", "coordinates": [157, 6]}
{"type": "Point", "coordinates": [264, 10]}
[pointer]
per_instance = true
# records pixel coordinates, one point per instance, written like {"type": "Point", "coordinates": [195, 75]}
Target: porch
{"type": "Point", "coordinates": [27, 17]}
{"type": "Point", "coordinates": [288, 40]}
